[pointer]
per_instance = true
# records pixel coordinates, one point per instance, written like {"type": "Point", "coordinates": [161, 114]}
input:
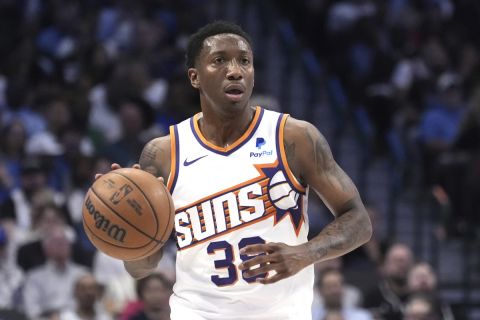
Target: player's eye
{"type": "Point", "coordinates": [219, 60]}
{"type": "Point", "coordinates": [245, 61]}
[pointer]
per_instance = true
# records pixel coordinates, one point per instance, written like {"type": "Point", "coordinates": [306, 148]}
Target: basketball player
{"type": "Point", "coordinates": [239, 176]}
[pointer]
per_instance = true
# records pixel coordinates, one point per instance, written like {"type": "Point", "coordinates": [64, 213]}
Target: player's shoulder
{"type": "Point", "coordinates": [296, 129]}
{"type": "Point", "coordinates": [304, 139]}
{"type": "Point", "coordinates": [155, 156]}
{"type": "Point", "coordinates": [163, 143]}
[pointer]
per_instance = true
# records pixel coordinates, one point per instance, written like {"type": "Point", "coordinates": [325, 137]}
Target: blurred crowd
{"type": "Point", "coordinates": [87, 83]}
{"type": "Point", "coordinates": [82, 84]}
{"type": "Point", "coordinates": [414, 68]}
{"type": "Point", "coordinates": [403, 288]}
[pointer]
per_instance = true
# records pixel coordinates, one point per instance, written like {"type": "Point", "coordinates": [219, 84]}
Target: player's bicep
{"type": "Point", "coordinates": [324, 175]}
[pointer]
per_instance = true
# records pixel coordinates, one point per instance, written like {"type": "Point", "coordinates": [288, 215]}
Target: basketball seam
{"type": "Point", "coordinates": [120, 216]}
{"type": "Point", "coordinates": [151, 206]}
{"type": "Point", "coordinates": [146, 199]}
{"type": "Point", "coordinates": [156, 246]}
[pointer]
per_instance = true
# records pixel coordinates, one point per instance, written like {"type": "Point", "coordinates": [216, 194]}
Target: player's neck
{"type": "Point", "coordinates": [224, 129]}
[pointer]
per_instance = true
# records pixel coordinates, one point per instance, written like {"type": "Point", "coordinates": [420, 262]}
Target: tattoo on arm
{"type": "Point", "coordinates": [351, 227]}
{"type": "Point", "coordinates": [342, 235]}
{"type": "Point", "coordinates": [290, 152]}
{"type": "Point", "coordinates": [148, 159]}
{"type": "Point", "coordinates": [339, 228]}
{"type": "Point", "coordinates": [324, 162]}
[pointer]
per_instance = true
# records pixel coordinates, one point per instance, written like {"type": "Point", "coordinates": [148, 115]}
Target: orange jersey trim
{"type": "Point", "coordinates": [283, 156]}
{"type": "Point", "coordinates": [173, 159]}
{"type": "Point", "coordinates": [247, 133]}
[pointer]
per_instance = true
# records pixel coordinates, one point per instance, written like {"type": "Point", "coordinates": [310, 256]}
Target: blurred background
{"type": "Point", "coordinates": [394, 85]}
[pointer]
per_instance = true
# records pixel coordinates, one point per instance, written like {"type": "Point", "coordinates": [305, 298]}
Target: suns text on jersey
{"type": "Point", "coordinates": [222, 213]}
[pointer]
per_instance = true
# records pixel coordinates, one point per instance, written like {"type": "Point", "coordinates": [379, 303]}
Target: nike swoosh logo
{"type": "Point", "coordinates": [187, 163]}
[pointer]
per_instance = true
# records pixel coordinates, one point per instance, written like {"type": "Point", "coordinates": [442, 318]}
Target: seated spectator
{"type": "Point", "coordinates": [331, 288]}
{"type": "Point", "coordinates": [31, 254]}
{"type": "Point", "coordinates": [58, 113]}
{"type": "Point", "coordinates": [87, 295]}
{"type": "Point", "coordinates": [351, 297]}
{"type": "Point", "coordinates": [136, 116]}
{"type": "Point", "coordinates": [62, 140]}
{"type": "Point", "coordinates": [119, 285]}
{"type": "Point", "coordinates": [419, 307]}
{"type": "Point", "coordinates": [441, 120]}
{"type": "Point", "coordinates": [386, 300]}
{"type": "Point", "coordinates": [33, 180]}
{"type": "Point", "coordinates": [12, 150]}
{"type": "Point", "coordinates": [422, 280]}
{"type": "Point", "coordinates": [49, 288]}
{"type": "Point", "coordinates": [154, 293]}
{"type": "Point", "coordinates": [459, 181]}
{"type": "Point", "coordinates": [11, 277]}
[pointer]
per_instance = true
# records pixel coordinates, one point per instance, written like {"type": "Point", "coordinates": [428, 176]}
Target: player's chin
{"type": "Point", "coordinates": [229, 107]}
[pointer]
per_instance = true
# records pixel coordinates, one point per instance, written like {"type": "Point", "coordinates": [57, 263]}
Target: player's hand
{"type": "Point", "coordinates": [143, 267]}
{"type": "Point", "coordinates": [283, 259]}
{"type": "Point", "coordinates": [115, 166]}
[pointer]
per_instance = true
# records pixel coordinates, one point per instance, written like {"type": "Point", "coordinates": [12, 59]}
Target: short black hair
{"type": "Point", "coordinates": [142, 283]}
{"type": "Point", "coordinates": [325, 272]}
{"type": "Point", "coordinates": [195, 42]}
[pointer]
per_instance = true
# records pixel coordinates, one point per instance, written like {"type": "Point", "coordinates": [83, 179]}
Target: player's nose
{"type": "Point", "coordinates": [234, 71]}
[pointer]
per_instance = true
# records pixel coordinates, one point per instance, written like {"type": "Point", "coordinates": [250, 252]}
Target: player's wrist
{"type": "Point", "coordinates": [314, 252]}
{"type": "Point", "coordinates": [138, 269]}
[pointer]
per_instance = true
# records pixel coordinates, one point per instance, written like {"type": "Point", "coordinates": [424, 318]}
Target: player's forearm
{"type": "Point", "coordinates": [142, 268]}
{"type": "Point", "coordinates": [346, 233]}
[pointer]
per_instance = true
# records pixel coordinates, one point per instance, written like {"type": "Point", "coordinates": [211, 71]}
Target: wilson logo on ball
{"type": "Point", "coordinates": [101, 223]}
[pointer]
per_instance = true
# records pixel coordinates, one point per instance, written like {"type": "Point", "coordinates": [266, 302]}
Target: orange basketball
{"type": "Point", "coordinates": [128, 214]}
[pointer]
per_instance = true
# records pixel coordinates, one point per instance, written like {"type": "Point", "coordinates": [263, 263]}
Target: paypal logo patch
{"type": "Point", "coordinates": [260, 143]}
{"type": "Point", "coordinates": [261, 154]}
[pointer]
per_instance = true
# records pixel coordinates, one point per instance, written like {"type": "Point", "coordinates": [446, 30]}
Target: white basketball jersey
{"type": "Point", "coordinates": [226, 199]}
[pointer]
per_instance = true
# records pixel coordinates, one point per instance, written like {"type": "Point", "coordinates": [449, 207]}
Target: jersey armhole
{"type": "Point", "coordinates": [174, 158]}
{"type": "Point", "coordinates": [283, 156]}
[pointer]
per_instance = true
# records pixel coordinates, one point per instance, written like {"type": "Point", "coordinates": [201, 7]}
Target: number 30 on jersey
{"type": "Point", "coordinates": [228, 262]}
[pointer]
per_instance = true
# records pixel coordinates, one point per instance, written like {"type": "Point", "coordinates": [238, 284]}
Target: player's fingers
{"type": "Point", "coordinates": [265, 268]}
{"type": "Point", "coordinates": [161, 179]}
{"type": "Point", "coordinates": [97, 175]}
{"type": "Point", "coordinates": [258, 260]}
{"type": "Point", "coordinates": [115, 166]}
{"type": "Point", "coordinates": [136, 166]}
{"type": "Point", "coordinates": [255, 249]}
{"type": "Point", "coordinates": [272, 279]}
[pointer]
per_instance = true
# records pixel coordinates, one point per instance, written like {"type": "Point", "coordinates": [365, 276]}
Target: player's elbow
{"type": "Point", "coordinates": [136, 272]}
{"type": "Point", "coordinates": [367, 229]}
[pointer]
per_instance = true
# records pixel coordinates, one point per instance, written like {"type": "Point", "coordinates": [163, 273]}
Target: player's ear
{"type": "Point", "coordinates": [193, 76]}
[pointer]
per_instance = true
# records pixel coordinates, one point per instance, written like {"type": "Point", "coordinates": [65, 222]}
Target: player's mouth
{"type": "Point", "coordinates": [234, 92]}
